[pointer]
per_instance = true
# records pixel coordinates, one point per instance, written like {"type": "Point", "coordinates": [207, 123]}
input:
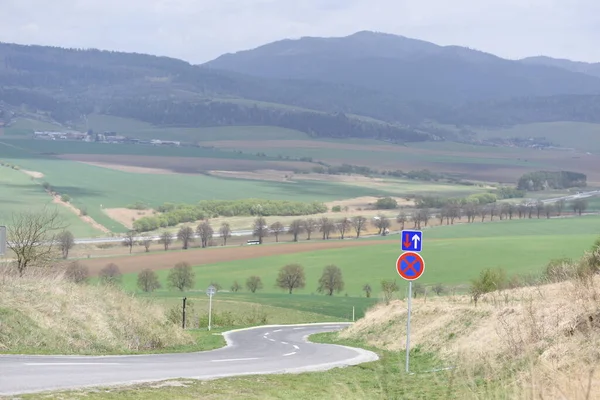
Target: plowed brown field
{"type": "Point", "coordinates": [165, 260]}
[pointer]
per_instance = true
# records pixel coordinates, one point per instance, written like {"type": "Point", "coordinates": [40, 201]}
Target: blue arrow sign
{"type": "Point", "coordinates": [411, 240]}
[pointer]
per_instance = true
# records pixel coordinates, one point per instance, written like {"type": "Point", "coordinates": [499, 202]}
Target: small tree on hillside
{"type": "Point", "coordinates": [129, 240]}
{"type": "Point", "coordinates": [260, 229]}
{"type": "Point", "coordinates": [225, 232]}
{"type": "Point", "coordinates": [110, 275]}
{"type": "Point", "coordinates": [254, 283]}
{"type": "Point", "coordinates": [277, 228]}
{"type": "Point", "coordinates": [291, 277]}
{"type": "Point", "coordinates": [295, 228]}
{"type": "Point", "coordinates": [331, 280]}
{"type": "Point", "coordinates": [438, 289]}
{"type": "Point", "coordinates": [388, 288]}
{"type": "Point", "coordinates": [326, 226]}
{"type": "Point", "coordinates": [77, 272]}
{"type": "Point", "coordinates": [148, 280]}
{"type": "Point", "coordinates": [166, 238]}
{"type": "Point", "coordinates": [186, 235]}
{"type": "Point", "coordinates": [66, 241]}
{"type": "Point", "coordinates": [181, 276]}
{"type": "Point", "coordinates": [206, 232]}
{"type": "Point", "coordinates": [489, 280]}
{"type": "Point", "coordinates": [367, 289]}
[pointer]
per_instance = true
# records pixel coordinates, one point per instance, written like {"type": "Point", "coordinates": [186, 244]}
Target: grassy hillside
{"type": "Point", "coordinates": [43, 313]}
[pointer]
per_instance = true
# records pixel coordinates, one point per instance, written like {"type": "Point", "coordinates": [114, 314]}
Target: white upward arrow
{"type": "Point", "coordinates": [415, 240]}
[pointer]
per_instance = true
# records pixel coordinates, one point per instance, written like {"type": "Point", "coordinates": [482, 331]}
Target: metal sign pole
{"type": "Point", "coordinates": [209, 310]}
{"type": "Point", "coordinates": [408, 325]}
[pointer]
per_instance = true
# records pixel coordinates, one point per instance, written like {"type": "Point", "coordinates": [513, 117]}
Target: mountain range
{"type": "Point", "coordinates": [367, 84]}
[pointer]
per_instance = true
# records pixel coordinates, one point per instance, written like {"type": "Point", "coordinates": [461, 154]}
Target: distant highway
{"type": "Point", "coordinates": [255, 351]}
{"type": "Point", "coordinates": [582, 195]}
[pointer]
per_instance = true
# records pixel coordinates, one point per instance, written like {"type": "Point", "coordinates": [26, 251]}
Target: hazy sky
{"type": "Point", "coordinates": [200, 30]}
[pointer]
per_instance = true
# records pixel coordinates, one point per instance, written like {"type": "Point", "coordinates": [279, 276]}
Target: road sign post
{"type": "Point", "coordinates": [210, 292]}
{"type": "Point", "coordinates": [2, 240]}
{"type": "Point", "coordinates": [183, 314]}
{"type": "Point", "coordinates": [410, 266]}
{"type": "Point", "coordinates": [412, 240]}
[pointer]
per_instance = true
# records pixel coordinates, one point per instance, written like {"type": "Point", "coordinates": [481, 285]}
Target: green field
{"type": "Point", "coordinates": [19, 193]}
{"type": "Point", "coordinates": [579, 135]}
{"type": "Point", "coordinates": [27, 126]}
{"type": "Point", "coordinates": [453, 254]}
{"type": "Point", "coordinates": [143, 130]}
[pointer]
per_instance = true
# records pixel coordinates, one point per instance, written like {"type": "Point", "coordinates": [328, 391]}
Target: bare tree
{"type": "Point", "coordinates": [367, 289]}
{"type": "Point", "coordinates": [254, 283]}
{"type": "Point", "coordinates": [186, 235]}
{"type": "Point", "coordinates": [129, 240]}
{"type": "Point", "coordinates": [438, 289]}
{"type": "Point", "coordinates": [539, 207]}
{"type": "Point", "coordinates": [277, 228]}
{"type": "Point", "coordinates": [166, 238]}
{"type": "Point", "coordinates": [66, 241]}
{"type": "Point", "coordinates": [326, 226]}
{"type": "Point", "coordinates": [260, 229]}
{"type": "Point", "coordinates": [401, 219]}
{"type": "Point", "coordinates": [77, 272]}
{"type": "Point", "coordinates": [360, 224]}
{"type": "Point", "coordinates": [425, 216]}
{"type": "Point", "coordinates": [146, 242]}
{"type": "Point", "coordinates": [310, 225]}
{"type": "Point", "coordinates": [225, 232]}
{"type": "Point", "coordinates": [206, 232]}
{"type": "Point", "coordinates": [560, 206]}
{"type": "Point", "coordinates": [181, 276]}
{"type": "Point", "coordinates": [216, 285]}
{"type": "Point", "coordinates": [493, 210]}
{"type": "Point", "coordinates": [147, 280]}
{"type": "Point", "coordinates": [235, 287]}
{"type": "Point", "coordinates": [296, 228]}
{"type": "Point", "coordinates": [579, 206]}
{"type": "Point", "coordinates": [548, 208]}
{"type": "Point", "coordinates": [344, 226]}
{"type": "Point", "coordinates": [331, 280]}
{"type": "Point", "coordinates": [389, 288]}
{"type": "Point", "coordinates": [31, 237]}
{"type": "Point", "coordinates": [382, 223]}
{"type": "Point", "coordinates": [291, 277]}
{"type": "Point", "coordinates": [110, 275]}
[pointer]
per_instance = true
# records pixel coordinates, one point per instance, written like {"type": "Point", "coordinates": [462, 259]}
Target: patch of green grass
{"type": "Point", "coordinates": [20, 193]}
{"type": "Point", "coordinates": [242, 307]}
{"type": "Point", "coordinates": [382, 379]}
{"type": "Point", "coordinates": [280, 308]}
{"type": "Point", "coordinates": [453, 255]}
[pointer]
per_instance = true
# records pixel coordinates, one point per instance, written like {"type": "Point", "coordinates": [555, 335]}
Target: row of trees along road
{"type": "Point", "coordinates": [261, 229]}
{"type": "Point", "coordinates": [182, 277]}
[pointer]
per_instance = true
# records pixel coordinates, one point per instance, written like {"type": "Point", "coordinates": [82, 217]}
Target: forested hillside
{"type": "Point", "coordinates": [401, 84]}
{"type": "Point", "coordinates": [407, 68]}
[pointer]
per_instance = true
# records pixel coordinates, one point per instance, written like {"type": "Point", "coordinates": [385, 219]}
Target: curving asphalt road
{"type": "Point", "coordinates": [261, 350]}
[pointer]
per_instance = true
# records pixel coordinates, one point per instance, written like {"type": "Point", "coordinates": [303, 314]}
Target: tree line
{"type": "Point", "coordinates": [174, 214]}
{"type": "Point", "coordinates": [543, 180]}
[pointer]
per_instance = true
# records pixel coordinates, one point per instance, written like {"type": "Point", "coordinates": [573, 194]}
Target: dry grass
{"type": "Point", "coordinates": [537, 342]}
{"type": "Point", "coordinates": [44, 313]}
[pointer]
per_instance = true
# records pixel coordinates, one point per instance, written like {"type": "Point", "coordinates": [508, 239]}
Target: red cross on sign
{"type": "Point", "coordinates": [410, 266]}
